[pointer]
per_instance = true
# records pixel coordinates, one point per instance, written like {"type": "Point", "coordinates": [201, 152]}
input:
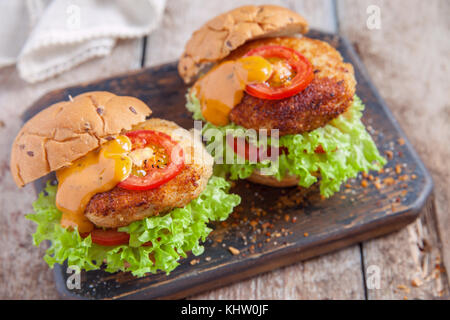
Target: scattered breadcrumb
{"type": "Point", "coordinates": [398, 169]}
{"type": "Point", "coordinates": [266, 225]}
{"type": "Point", "coordinates": [277, 234]}
{"type": "Point", "coordinates": [416, 282]}
{"type": "Point", "coordinates": [401, 141]}
{"type": "Point", "coordinates": [389, 154]}
{"type": "Point", "coordinates": [234, 251]}
{"type": "Point", "coordinates": [306, 234]}
{"type": "Point", "coordinates": [403, 288]}
{"type": "Point", "coordinates": [194, 261]}
{"type": "Point", "coordinates": [364, 183]}
{"type": "Point", "coordinates": [389, 181]}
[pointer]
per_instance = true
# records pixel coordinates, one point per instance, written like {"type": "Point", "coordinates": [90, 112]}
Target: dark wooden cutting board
{"type": "Point", "coordinates": [272, 227]}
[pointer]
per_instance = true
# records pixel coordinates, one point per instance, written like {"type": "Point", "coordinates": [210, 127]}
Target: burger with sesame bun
{"type": "Point", "coordinates": [132, 193]}
{"type": "Point", "coordinates": [253, 70]}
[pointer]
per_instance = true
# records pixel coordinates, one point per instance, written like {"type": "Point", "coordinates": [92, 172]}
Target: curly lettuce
{"type": "Point", "coordinates": [172, 235]}
{"type": "Point", "coordinates": [349, 149]}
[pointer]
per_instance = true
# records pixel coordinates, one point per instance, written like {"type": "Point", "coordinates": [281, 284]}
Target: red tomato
{"type": "Point", "coordinates": [319, 149]}
{"type": "Point", "coordinates": [252, 152]}
{"type": "Point", "coordinates": [109, 237]}
{"type": "Point", "coordinates": [299, 64]}
{"type": "Point", "coordinates": [154, 176]}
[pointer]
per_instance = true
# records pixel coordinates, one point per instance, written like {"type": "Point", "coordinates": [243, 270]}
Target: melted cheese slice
{"type": "Point", "coordinates": [99, 171]}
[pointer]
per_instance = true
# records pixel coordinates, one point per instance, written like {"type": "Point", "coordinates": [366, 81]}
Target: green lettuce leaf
{"type": "Point", "coordinates": [172, 235]}
{"type": "Point", "coordinates": [349, 149]}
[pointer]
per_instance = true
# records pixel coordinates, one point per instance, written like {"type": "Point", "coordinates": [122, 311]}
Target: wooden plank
{"type": "Point", "coordinates": [24, 273]}
{"type": "Point", "coordinates": [407, 59]}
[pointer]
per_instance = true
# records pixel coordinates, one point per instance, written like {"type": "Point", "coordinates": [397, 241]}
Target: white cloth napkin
{"type": "Point", "coordinates": [47, 37]}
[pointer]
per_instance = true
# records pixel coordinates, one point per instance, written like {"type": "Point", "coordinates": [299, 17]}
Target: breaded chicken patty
{"type": "Point", "coordinates": [326, 97]}
{"type": "Point", "coordinates": [119, 207]}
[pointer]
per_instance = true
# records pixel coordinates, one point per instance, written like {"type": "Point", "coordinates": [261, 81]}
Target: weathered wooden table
{"type": "Point", "coordinates": [407, 58]}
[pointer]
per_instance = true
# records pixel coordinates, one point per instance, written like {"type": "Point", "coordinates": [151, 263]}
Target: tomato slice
{"type": "Point", "coordinates": [153, 174]}
{"type": "Point", "coordinates": [108, 237]}
{"type": "Point", "coordinates": [319, 149]}
{"type": "Point", "coordinates": [297, 62]}
{"type": "Point", "coordinates": [252, 152]}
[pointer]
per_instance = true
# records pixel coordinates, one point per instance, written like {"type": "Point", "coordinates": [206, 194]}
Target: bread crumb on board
{"type": "Point", "coordinates": [233, 251]}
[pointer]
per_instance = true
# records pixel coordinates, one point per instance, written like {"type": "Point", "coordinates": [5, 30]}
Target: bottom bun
{"type": "Point", "coordinates": [287, 181]}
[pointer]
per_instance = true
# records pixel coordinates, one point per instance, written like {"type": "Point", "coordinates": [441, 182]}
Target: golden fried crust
{"type": "Point", "coordinates": [327, 96]}
{"type": "Point", "coordinates": [119, 207]}
{"type": "Point", "coordinates": [313, 108]}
